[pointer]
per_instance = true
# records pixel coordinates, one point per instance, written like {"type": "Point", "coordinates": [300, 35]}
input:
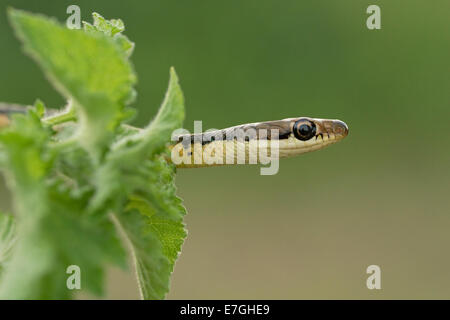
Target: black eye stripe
{"type": "Point", "coordinates": [304, 129]}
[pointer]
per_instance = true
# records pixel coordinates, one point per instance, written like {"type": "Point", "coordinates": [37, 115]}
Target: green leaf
{"type": "Point", "coordinates": [113, 28]}
{"type": "Point", "coordinates": [130, 152]}
{"type": "Point", "coordinates": [40, 108]}
{"type": "Point", "coordinates": [156, 232]}
{"type": "Point", "coordinates": [56, 230]}
{"type": "Point", "coordinates": [53, 237]}
{"type": "Point", "coordinates": [89, 68]}
{"type": "Point", "coordinates": [153, 217]}
{"type": "Point", "coordinates": [74, 173]}
{"type": "Point", "coordinates": [7, 239]}
{"type": "Point", "coordinates": [153, 139]}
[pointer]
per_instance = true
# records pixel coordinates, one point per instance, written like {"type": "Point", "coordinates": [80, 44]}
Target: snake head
{"type": "Point", "coordinates": [309, 134]}
{"type": "Point", "coordinates": [306, 129]}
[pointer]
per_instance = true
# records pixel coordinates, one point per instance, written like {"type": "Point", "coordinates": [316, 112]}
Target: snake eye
{"type": "Point", "coordinates": [304, 129]}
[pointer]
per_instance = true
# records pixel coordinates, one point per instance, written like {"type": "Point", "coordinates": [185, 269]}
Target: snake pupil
{"type": "Point", "coordinates": [304, 130]}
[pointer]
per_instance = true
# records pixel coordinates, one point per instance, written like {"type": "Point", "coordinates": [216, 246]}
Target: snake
{"type": "Point", "coordinates": [250, 143]}
{"type": "Point", "coordinates": [254, 143]}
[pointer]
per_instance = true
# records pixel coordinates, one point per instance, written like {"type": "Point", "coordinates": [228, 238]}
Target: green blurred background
{"type": "Point", "coordinates": [379, 197]}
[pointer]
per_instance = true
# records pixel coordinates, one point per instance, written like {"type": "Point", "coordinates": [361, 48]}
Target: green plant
{"type": "Point", "coordinates": [82, 175]}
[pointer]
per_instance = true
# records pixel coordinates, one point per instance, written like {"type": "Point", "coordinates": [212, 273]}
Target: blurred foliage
{"type": "Point", "coordinates": [76, 187]}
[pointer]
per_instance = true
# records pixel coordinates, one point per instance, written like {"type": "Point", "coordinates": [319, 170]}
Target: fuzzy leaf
{"type": "Point", "coordinates": [113, 28]}
{"type": "Point", "coordinates": [7, 238]}
{"type": "Point", "coordinates": [56, 230]}
{"type": "Point", "coordinates": [153, 217]}
{"type": "Point", "coordinates": [89, 68]}
{"type": "Point", "coordinates": [68, 181]}
{"type": "Point", "coordinates": [156, 232]}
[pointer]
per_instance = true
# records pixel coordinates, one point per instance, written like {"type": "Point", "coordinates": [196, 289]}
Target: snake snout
{"type": "Point", "coordinates": [340, 128]}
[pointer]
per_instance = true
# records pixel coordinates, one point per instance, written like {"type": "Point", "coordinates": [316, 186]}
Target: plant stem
{"type": "Point", "coordinates": [65, 116]}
